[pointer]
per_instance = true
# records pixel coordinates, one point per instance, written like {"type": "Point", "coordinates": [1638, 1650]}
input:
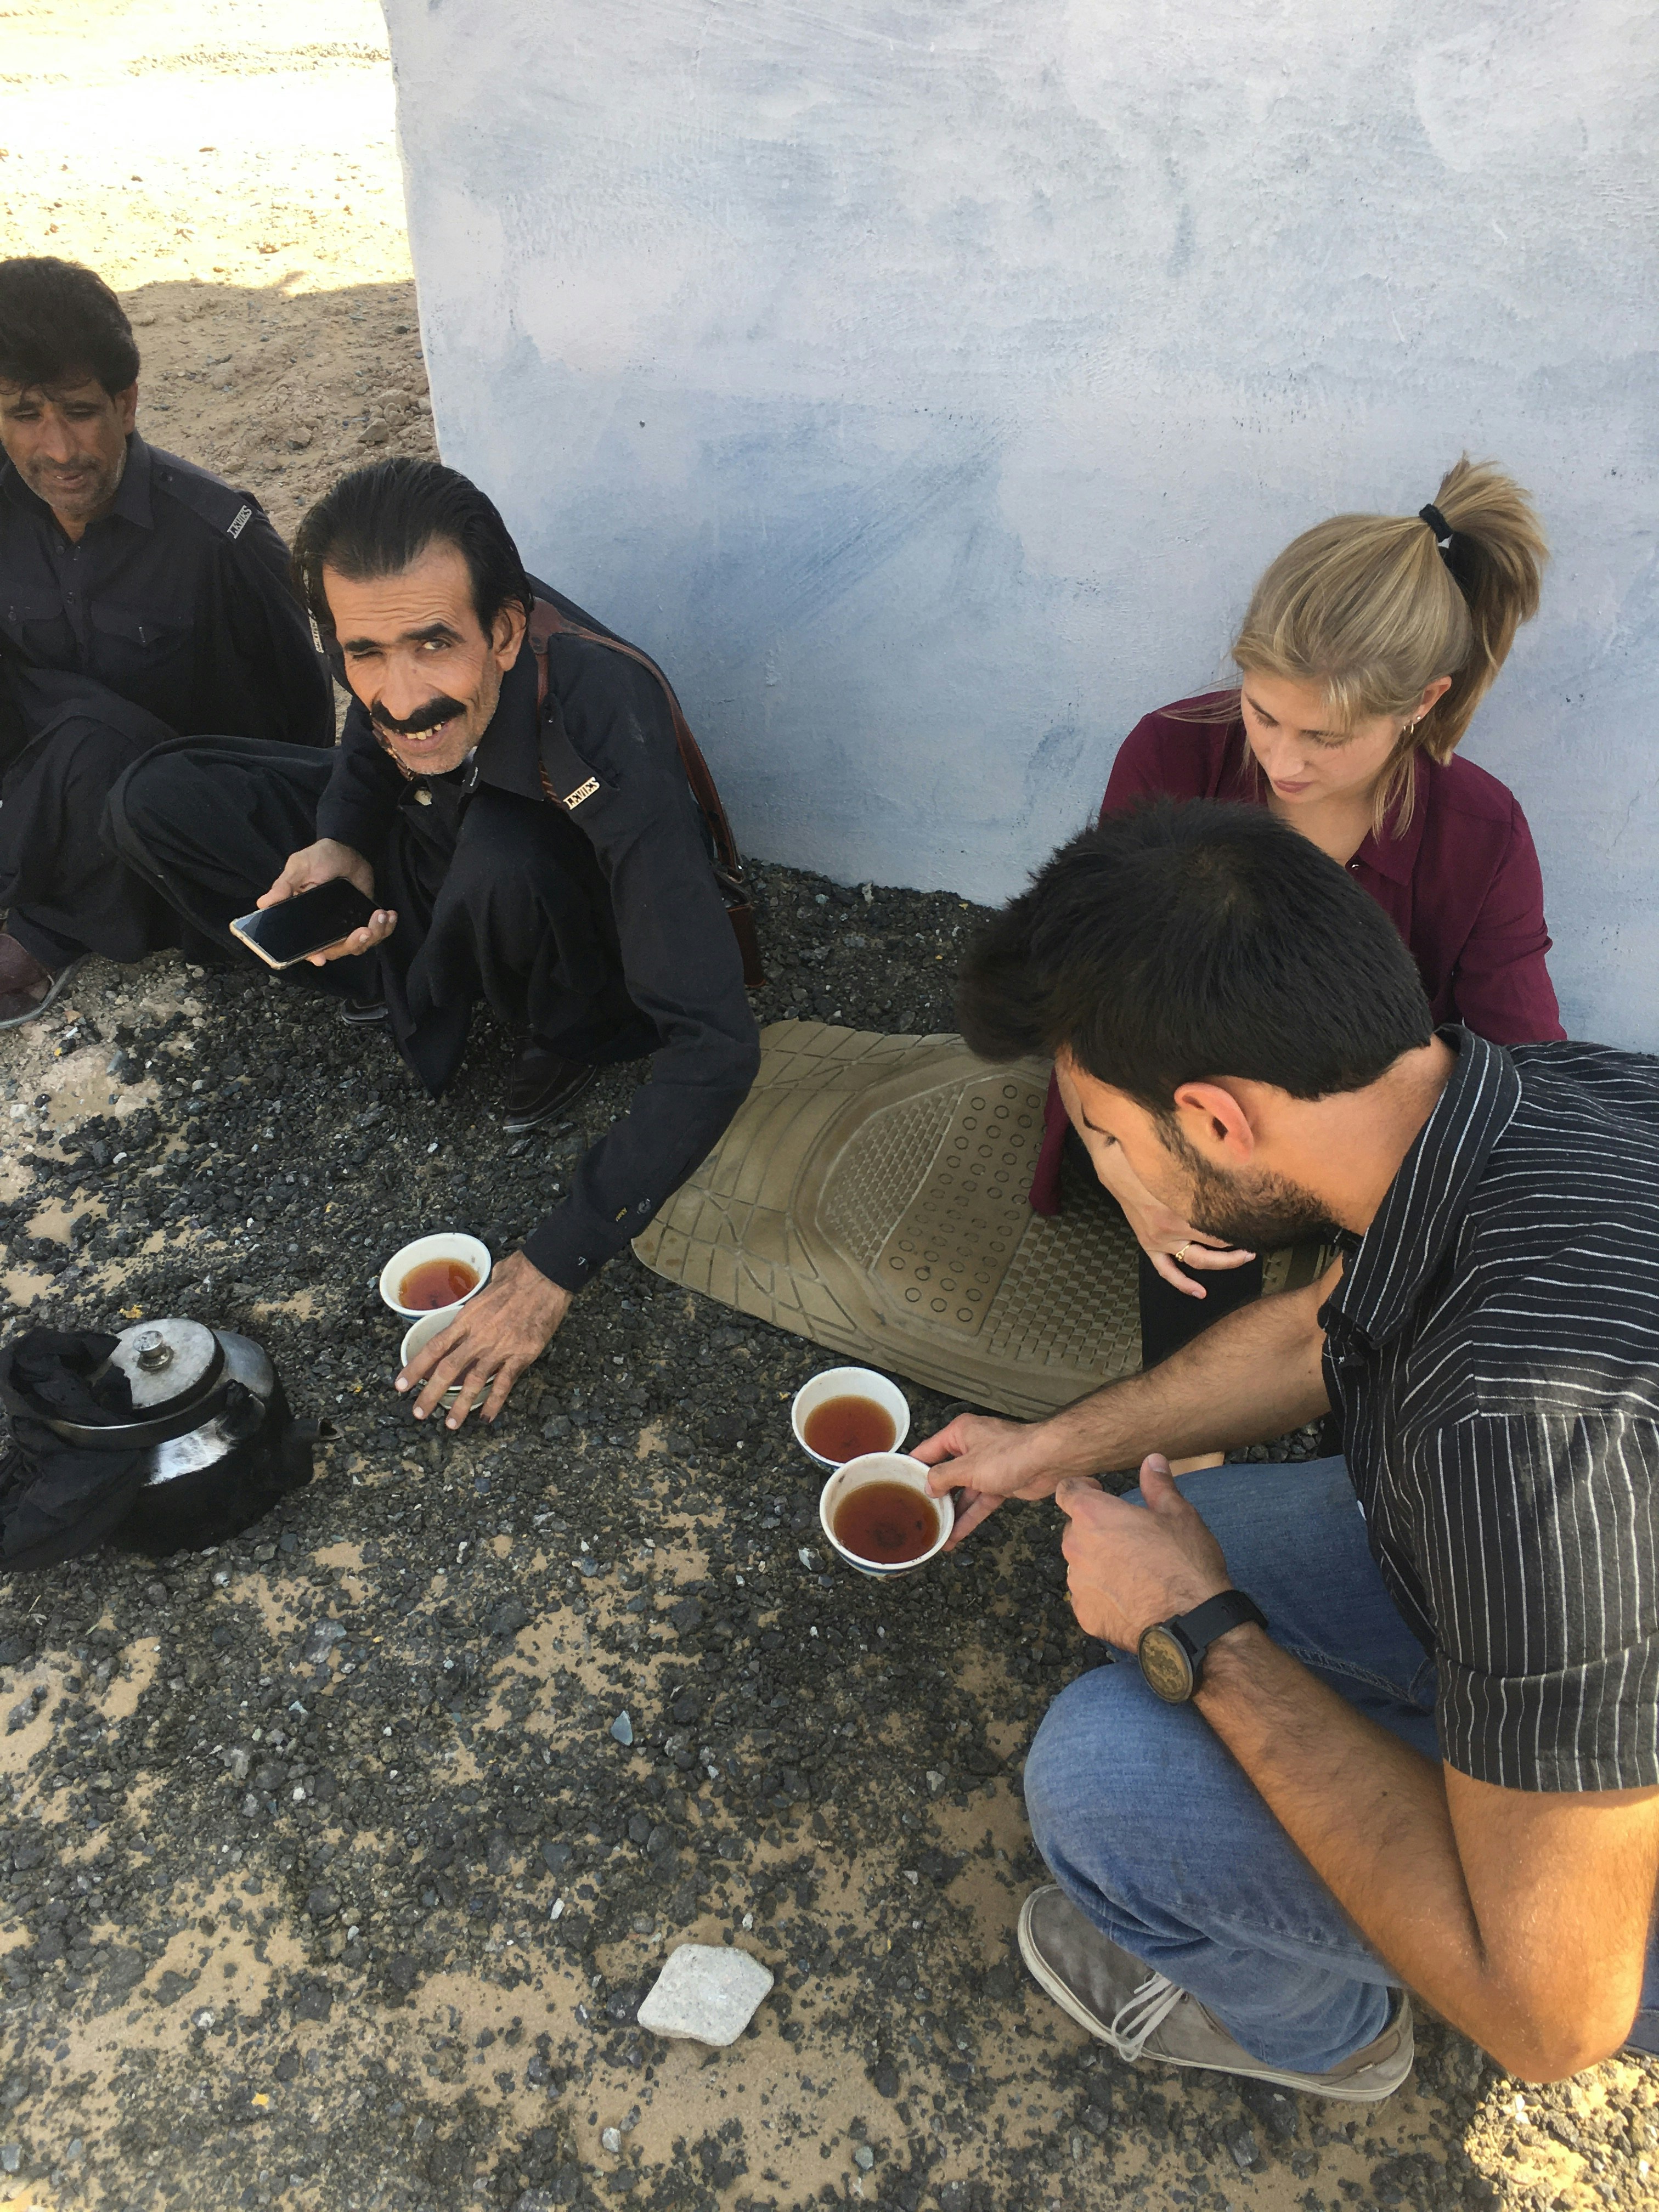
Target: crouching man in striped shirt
{"type": "Point", "coordinates": [1395, 1723]}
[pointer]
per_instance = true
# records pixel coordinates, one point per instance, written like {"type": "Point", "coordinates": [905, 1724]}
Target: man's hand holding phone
{"type": "Point", "coordinates": [324, 863]}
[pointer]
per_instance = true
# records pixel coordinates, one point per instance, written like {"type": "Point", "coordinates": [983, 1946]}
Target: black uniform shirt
{"type": "Point", "coordinates": [179, 600]}
{"type": "Point", "coordinates": [680, 960]}
{"type": "Point", "coordinates": [1493, 1351]}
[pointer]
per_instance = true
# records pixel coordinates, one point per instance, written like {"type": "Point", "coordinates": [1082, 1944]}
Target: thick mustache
{"type": "Point", "coordinates": [423, 718]}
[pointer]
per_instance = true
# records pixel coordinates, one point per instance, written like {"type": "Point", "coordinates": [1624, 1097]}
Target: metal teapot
{"type": "Point", "coordinates": [210, 1418]}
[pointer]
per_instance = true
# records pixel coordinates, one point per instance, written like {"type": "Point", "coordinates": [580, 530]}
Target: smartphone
{"type": "Point", "coordinates": [308, 922]}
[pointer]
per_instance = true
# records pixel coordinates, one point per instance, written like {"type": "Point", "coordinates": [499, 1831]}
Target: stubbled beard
{"type": "Point", "coordinates": [1260, 1212]}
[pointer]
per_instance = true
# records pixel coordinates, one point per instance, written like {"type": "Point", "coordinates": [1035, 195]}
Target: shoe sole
{"type": "Point", "coordinates": [367, 1019]}
{"type": "Point", "coordinates": [1311, 2085]}
{"type": "Point", "coordinates": [59, 984]}
{"type": "Point", "coordinates": [515, 1125]}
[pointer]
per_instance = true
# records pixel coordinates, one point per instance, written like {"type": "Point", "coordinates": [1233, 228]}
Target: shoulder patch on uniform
{"type": "Point", "coordinates": [218, 504]}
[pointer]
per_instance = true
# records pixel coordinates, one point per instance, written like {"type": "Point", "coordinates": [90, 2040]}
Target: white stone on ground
{"type": "Point", "coordinates": [706, 1992]}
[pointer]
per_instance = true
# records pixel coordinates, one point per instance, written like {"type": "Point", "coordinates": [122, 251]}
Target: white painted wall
{"type": "Point", "coordinates": [926, 382]}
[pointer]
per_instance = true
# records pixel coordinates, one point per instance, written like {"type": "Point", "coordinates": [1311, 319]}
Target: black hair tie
{"type": "Point", "coordinates": [1454, 547]}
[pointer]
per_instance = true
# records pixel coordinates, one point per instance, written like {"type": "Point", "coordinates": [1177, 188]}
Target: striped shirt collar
{"type": "Point", "coordinates": [1421, 1211]}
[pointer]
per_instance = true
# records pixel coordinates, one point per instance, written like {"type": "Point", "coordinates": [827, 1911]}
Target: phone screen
{"type": "Point", "coordinates": [306, 923]}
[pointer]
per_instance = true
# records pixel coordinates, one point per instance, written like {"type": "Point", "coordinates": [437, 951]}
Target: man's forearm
{"type": "Point", "coordinates": [1255, 1374]}
{"type": "Point", "coordinates": [1371, 1817]}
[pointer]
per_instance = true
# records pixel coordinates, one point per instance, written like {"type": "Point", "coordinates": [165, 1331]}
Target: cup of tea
{"type": "Point", "coordinates": [878, 1514]}
{"type": "Point", "coordinates": [417, 1339]}
{"type": "Point", "coordinates": [434, 1272]}
{"type": "Point", "coordinates": [847, 1411]}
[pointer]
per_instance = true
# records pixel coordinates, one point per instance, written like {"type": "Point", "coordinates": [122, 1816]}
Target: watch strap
{"type": "Point", "coordinates": [1231, 1609]}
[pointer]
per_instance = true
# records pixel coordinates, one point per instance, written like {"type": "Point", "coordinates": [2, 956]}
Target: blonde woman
{"type": "Point", "coordinates": [1367, 647]}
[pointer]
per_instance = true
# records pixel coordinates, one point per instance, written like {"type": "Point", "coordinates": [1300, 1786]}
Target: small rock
{"type": "Point", "coordinates": [706, 1993]}
{"type": "Point", "coordinates": [325, 1634]}
{"type": "Point", "coordinates": [623, 1728]}
{"type": "Point", "coordinates": [686, 1616]}
{"type": "Point", "coordinates": [864, 2157]}
{"type": "Point", "coordinates": [508, 1618]}
{"type": "Point", "coordinates": [1275, 2109]}
{"type": "Point", "coordinates": [1242, 2145]}
{"type": "Point", "coordinates": [11, 2157]}
{"type": "Point", "coordinates": [611, 2141]}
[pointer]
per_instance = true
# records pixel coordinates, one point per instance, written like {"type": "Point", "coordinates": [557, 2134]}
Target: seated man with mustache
{"type": "Point", "coordinates": [1395, 1723]}
{"type": "Point", "coordinates": [523, 818]}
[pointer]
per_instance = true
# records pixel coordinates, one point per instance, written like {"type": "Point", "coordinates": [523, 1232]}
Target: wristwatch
{"type": "Point", "coordinates": [1171, 1652]}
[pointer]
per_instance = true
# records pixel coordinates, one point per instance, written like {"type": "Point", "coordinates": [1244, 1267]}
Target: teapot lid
{"type": "Point", "coordinates": [166, 1362]}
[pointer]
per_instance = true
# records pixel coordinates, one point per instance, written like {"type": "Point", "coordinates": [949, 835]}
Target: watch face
{"type": "Point", "coordinates": [1166, 1667]}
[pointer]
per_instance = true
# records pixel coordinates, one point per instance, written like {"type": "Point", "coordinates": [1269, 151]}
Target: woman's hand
{"type": "Point", "coordinates": [1170, 1242]}
{"type": "Point", "coordinates": [1173, 1245]}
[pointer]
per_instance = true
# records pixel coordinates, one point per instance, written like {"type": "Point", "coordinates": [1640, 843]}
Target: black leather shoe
{"type": "Point", "coordinates": [363, 1013]}
{"type": "Point", "coordinates": [540, 1085]}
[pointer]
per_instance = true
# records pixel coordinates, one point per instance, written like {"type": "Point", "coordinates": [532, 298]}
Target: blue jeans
{"type": "Point", "coordinates": [1153, 1830]}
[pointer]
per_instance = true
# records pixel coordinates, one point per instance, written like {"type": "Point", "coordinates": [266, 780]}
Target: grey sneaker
{"type": "Point", "coordinates": [1142, 2013]}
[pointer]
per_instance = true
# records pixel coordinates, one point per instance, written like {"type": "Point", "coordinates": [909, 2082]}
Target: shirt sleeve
{"type": "Point", "coordinates": [360, 801]}
{"type": "Point", "coordinates": [1539, 1551]}
{"type": "Point", "coordinates": [265, 676]}
{"type": "Point", "coordinates": [1501, 983]}
{"type": "Point", "coordinates": [1138, 771]}
{"type": "Point", "coordinates": [680, 964]}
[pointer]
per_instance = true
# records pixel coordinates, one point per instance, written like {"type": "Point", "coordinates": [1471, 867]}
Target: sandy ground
{"type": "Point", "coordinates": [327, 1933]}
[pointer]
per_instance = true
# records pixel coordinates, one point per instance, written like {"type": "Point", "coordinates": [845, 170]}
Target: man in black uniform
{"type": "Point", "coordinates": [139, 597]}
{"type": "Point", "coordinates": [524, 819]}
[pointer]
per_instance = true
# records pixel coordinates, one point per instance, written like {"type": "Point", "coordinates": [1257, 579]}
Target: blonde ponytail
{"type": "Point", "coordinates": [1365, 606]}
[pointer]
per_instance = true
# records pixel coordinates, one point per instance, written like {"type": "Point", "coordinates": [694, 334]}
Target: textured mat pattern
{"type": "Point", "coordinates": [870, 1195]}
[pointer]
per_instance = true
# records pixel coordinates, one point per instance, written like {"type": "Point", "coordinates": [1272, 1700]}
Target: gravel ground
{"type": "Point", "coordinates": [330, 1881]}
{"type": "Point", "coordinates": [325, 1881]}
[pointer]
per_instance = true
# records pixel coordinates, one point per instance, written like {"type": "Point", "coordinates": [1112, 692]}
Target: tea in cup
{"type": "Point", "coordinates": [880, 1516]}
{"type": "Point", "coordinates": [847, 1412]}
{"type": "Point", "coordinates": [434, 1272]}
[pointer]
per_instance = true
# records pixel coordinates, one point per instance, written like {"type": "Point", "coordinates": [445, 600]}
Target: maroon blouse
{"type": "Point", "coordinates": [1460, 884]}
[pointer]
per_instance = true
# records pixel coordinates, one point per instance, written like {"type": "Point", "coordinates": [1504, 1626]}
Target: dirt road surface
{"type": "Point", "coordinates": [325, 1881]}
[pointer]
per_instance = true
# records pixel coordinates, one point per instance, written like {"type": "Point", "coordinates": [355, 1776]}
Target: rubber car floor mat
{"type": "Point", "coordinates": [870, 1195]}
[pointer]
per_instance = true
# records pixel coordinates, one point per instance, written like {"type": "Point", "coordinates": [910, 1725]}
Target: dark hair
{"type": "Point", "coordinates": [379, 520]}
{"type": "Point", "coordinates": [1186, 941]}
{"type": "Point", "coordinates": [59, 323]}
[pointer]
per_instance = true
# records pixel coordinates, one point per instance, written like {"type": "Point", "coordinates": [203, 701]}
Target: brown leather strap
{"type": "Point", "coordinates": [546, 622]}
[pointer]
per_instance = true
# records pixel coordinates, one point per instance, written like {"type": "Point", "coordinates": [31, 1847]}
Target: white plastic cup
{"type": "Point", "coordinates": [415, 1340]}
{"type": "Point", "coordinates": [849, 1383]}
{"type": "Point", "coordinates": [884, 1466]}
{"type": "Point", "coordinates": [449, 1245]}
